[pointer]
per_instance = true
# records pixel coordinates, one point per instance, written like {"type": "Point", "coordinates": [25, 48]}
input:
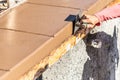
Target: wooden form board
{"type": "Point", "coordinates": [20, 51]}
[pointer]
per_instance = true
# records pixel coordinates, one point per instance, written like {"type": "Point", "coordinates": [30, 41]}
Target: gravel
{"type": "Point", "coordinates": [87, 63]}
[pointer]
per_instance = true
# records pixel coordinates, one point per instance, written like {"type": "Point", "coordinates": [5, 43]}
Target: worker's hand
{"type": "Point", "coordinates": [90, 20]}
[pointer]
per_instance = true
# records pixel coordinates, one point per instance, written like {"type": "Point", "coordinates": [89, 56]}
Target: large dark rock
{"type": "Point", "coordinates": [89, 63]}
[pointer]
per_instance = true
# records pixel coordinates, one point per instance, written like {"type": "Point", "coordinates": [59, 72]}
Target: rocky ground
{"type": "Point", "coordinates": [88, 63]}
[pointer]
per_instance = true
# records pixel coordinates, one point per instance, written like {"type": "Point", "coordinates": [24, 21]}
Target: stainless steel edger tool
{"type": "Point", "coordinates": [96, 43]}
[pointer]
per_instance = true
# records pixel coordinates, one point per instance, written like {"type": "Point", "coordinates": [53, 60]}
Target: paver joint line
{"type": "Point", "coordinates": [54, 5]}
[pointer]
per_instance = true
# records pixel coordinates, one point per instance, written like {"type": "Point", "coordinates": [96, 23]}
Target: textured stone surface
{"type": "Point", "coordinates": [87, 63]}
{"type": "Point", "coordinates": [69, 66]}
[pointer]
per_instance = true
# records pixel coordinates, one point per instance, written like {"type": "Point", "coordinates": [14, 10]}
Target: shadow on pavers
{"type": "Point", "coordinates": [102, 62]}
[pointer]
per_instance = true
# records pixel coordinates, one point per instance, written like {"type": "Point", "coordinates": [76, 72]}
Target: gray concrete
{"type": "Point", "coordinates": [88, 63]}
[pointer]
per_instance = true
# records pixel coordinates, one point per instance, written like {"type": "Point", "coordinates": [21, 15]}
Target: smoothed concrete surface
{"type": "Point", "coordinates": [2, 72]}
{"type": "Point", "coordinates": [37, 19]}
{"type": "Point", "coordinates": [78, 4]}
{"type": "Point", "coordinates": [16, 46]}
{"type": "Point", "coordinates": [87, 63]}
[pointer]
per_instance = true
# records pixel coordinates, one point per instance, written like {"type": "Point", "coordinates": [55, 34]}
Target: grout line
{"type": "Point", "coordinates": [26, 32]}
{"type": "Point", "coordinates": [4, 70]}
{"type": "Point", "coordinates": [53, 5]}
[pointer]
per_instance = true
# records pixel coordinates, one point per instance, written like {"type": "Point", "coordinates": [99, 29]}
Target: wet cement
{"type": "Point", "coordinates": [88, 63]}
